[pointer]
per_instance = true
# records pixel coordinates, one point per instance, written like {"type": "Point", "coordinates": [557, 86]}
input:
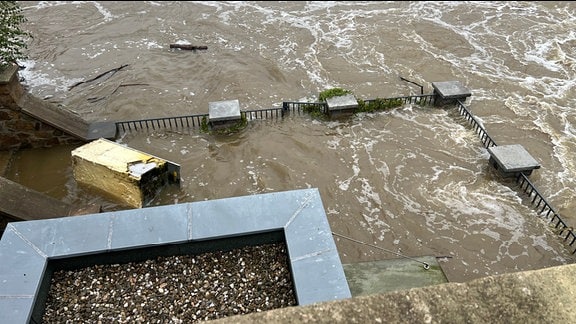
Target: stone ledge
{"type": "Point", "coordinates": [538, 296]}
{"type": "Point", "coordinates": [8, 74]}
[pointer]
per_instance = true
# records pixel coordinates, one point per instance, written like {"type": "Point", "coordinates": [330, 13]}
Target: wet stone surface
{"type": "Point", "coordinates": [178, 289]}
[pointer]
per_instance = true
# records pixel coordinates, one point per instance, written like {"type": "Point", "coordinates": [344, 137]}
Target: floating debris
{"type": "Point", "coordinates": [188, 47]}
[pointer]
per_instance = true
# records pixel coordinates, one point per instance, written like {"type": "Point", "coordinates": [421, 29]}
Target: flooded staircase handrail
{"type": "Point", "coordinates": [539, 201]}
{"type": "Point", "coordinates": [196, 120]}
{"type": "Point", "coordinates": [522, 180]}
{"type": "Point", "coordinates": [478, 128]}
{"type": "Point", "coordinates": [163, 122]}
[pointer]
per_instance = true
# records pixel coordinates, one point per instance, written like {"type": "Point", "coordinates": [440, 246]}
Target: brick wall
{"type": "Point", "coordinates": [19, 130]}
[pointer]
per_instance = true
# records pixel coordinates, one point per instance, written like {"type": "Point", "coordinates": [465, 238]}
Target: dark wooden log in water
{"type": "Point", "coordinates": [188, 47]}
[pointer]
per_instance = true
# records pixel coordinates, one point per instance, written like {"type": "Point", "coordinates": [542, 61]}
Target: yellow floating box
{"type": "Point", "coordinates": [127, 175]}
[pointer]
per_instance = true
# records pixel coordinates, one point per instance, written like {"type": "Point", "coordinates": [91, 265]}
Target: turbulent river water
{"type": "Point", "coordinates": [413, 180]}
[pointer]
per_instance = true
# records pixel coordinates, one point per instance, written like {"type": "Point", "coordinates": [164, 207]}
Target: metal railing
{"type": "Point", "coordinates": [303, 107]}
{"type": "Point", "coordinates": [537, 199]}
{"type": "Point", "coordinates": [478, 128]}
{"type": "Point", "coordinates": [180, 122]}
{"type": "Point", "coordinates": [267, 113]}
{"type": "Point", "coordinates": [546, 210]}
{"type": "Point", "coordinates": [423, 100]}
{"type": "Point", "coordinates": [288, 107]}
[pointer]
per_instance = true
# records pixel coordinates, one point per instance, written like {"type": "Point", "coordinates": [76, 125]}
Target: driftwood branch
{"type": "Point", "coordinates": [113, 71]}
{"type": "Point", "coordinates": [188, 47]}
{"type": "Point", "coordinates": [95, 99]}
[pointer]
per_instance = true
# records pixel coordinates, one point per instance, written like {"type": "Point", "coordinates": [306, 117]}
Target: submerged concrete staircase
{"type": "Point", "coordinates": [21, 203]}
{"type": "Point", "coordinates": [28, 122]}
{"type": "Point", "coordinates": [65, 120]}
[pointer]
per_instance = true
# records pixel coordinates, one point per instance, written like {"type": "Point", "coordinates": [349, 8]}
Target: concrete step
{"type": "Point", "coordinates": [21, 203]}
{"type": "Point", "coordinates": [66, 120]}
{"type": "Point", "coordinates": [5, 161]}
{"type": "Point", "coordinates": [377, 277]}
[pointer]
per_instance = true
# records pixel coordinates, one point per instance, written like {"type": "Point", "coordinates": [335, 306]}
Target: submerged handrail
{"type": "Point", "coordinates": [294, 107]}
{"type": "Point", "coordinates": [288, 107]}
{"type": "Point", "coordinates": [525, 185]}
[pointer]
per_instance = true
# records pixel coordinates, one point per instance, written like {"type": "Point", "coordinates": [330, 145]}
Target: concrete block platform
{"type": "Point", "coordinates": [341, 106]}
{"type": "Point", "coordinates": [223, 114]}
{"type": "Point", "coordinates": [449, 92]}
{"type": "Point", "coordinates": [510, 160]}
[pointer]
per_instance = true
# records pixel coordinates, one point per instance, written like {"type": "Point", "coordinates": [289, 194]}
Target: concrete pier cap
{"type": "Point", "coordinates": [341, 106]}
{"type": "Point", "coordinates": [223, 114]}
{"type": "Point", "coordinates": [510, 160]}
{"type": "Point", "coordinates": [450, 92]}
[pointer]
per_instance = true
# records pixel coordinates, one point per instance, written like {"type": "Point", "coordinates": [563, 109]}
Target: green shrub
{"type": "Point", "coordinates": [314, 110]}
{"type": "Point", "coordinates": [379, 104]}
{"type": "Point", "coordinates": [12, 37]}
{"type": "Point", "coordinates": [334, 92]}
{"type": "Point", "coordinates": [238, 126]}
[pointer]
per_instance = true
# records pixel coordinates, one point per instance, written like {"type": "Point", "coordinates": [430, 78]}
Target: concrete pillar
{"type": "Point", "coordinates": [341, 106]}
{"type": "Point", "coordinates": [449, 92]}
{"type": "Point", "coordinates": [510, 160]}
{"type": "Point", "coordinates": [223, 114]}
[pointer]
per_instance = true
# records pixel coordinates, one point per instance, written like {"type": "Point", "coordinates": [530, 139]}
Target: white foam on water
{"type": "Point", "coordinates": [38, 78]}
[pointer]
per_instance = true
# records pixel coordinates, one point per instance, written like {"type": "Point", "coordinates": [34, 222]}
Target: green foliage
{"type": "Point", "coordinates": [334, 92]}
{"type": "Point", "coordinates": [12, 37]}
{"type": "Point", "coordinates": [314, 110]}
{"type": "Point", "coordinates": [204, 128]}
{"type": "Point", "coordinates": [241, 124]}
{"type": "Point", "coordinates": [379, 104]}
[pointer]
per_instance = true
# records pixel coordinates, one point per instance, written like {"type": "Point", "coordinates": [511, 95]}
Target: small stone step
{"type": "Point", "coordinates": [379, 277]}
{"type": "Point", "coordinates": [5, 161]}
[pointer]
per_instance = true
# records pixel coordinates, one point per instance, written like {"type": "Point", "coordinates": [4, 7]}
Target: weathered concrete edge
{"type": "Point", "coordinates": [538, 296]}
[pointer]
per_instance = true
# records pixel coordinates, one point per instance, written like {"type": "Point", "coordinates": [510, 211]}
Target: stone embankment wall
{"type": "Point", "coordinates": [19, 130]}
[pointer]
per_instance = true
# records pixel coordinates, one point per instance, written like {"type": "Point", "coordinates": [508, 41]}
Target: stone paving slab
{"type": "Point", "coordinates": [513, 158]}
{"type": "Point", "coordinates": [382, 276]}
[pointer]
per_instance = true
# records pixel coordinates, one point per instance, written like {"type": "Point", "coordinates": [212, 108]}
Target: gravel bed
{"type": "Point", "coordinates": [178, 289]}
